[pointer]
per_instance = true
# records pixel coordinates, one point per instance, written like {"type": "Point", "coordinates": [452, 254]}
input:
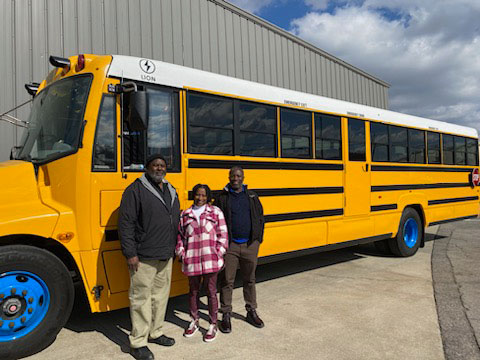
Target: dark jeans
{"type": "Point", "coordinates": [210, 282]}
{"type": "Point", "coordinates": [245, 255]}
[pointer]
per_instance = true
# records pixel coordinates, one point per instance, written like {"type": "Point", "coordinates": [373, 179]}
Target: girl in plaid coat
{"type": "Point", "coordinates": [201, 244]}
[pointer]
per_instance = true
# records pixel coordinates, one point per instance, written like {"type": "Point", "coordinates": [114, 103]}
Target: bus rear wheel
{"type": "Point", "coordinates": [409, 235]}
{"type": "Point", "coordinates": [36, 298]}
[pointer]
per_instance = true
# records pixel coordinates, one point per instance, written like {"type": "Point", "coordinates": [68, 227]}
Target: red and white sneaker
{"type": "Point", "coordinates": [211, 334]}
{"type": "Point", "coordinates": [192, 329]}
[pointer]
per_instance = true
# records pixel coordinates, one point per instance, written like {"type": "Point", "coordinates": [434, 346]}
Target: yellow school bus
{"type": "Point", "coordinates": [329, 173]}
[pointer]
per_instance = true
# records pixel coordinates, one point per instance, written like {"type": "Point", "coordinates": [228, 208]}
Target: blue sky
{"type": "Point", "coordinates": [427, 50]}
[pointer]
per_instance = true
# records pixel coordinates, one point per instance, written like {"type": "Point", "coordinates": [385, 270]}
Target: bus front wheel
{"type": "Point", "coordinates": [36, 298]}
{"type": "Point", "coordinates": [409, 235]}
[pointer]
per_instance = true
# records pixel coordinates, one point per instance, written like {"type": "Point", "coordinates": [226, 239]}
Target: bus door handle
{"type": "Point", "coordinates": [366, 168]}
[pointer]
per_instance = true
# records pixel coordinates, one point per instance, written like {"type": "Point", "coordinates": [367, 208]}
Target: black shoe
{"type": "Point", "coordinates": [142, 353]}
{"type": "Point", "coordinates": [226, 325]}
{"type": "Point", "coordinates": [254, 319]}
{"type": "Point", "coordinates": [163, 341]}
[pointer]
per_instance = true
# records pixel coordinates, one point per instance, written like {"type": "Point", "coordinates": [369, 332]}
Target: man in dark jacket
{"type": "Point", "coordinates": [147, 226]}
{"type": "Point", "coordinates": [244, 216]}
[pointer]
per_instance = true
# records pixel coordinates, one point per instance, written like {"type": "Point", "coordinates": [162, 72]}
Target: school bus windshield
{"type": "Point", "coordinates": [55, 120]}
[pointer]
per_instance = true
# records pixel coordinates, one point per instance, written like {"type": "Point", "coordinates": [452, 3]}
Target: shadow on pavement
{"type": "Point", "coordinates": [116, 325]}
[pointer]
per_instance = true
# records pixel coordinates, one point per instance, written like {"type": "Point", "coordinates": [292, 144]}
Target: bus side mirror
{"type": "Point", "coordinates": [138, 111]}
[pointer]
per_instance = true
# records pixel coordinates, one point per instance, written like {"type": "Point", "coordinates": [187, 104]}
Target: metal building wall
{"type": "Point", "coordinates": [211, 35]}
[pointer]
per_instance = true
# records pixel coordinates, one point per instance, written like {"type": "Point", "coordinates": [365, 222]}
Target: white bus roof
{"type": "Point", "coordinates": [159, 72]}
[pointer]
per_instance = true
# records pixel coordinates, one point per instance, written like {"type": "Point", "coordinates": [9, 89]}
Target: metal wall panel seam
{"type": "Point", "coordinates": [177, 30]}
{"type": "Point", "coordinates": [260, 54]}
{"type": "Point", "coordinates": [253, 51]}
{"type": "Point", "coordinates": [213, 38]}
{"type": "Point", "coordinates": [267, 62]}
{"type": "Point", "coordinates": [222, 46]}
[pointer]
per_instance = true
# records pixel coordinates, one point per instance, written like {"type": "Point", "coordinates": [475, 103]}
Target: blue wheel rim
{"type": "Point", "coordinates": [410, 233]}
{"type": "Point", "coordinates": [24, 304]}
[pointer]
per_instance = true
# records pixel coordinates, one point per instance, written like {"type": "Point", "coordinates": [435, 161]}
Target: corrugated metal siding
{"type": "Point", "coordinates": [210, 35]}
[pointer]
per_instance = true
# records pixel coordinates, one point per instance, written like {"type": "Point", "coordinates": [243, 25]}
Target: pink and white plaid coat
{"type": "Point", "coordinates": [201, 247]}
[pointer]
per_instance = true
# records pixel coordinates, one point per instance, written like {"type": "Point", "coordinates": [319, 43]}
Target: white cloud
{"type": "Point", "coordinates": [429, 51]}
{"type": "Point", "coordinates": [317, 4]}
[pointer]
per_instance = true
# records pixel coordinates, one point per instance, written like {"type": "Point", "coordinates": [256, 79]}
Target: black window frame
{"type": "Point", "coordinates": [318, 118]}
{"type": "Point", "coordinates": [176, 165]}
{"type": "Point", "coordinates": [291, 134]}
{"type": "Point", "coordinates": [115, 135]}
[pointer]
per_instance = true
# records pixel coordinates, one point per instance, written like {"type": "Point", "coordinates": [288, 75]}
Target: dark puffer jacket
{"type": "Point", "coordinates": [146, 226]}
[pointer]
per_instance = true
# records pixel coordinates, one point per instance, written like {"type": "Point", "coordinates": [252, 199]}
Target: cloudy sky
{"type": "Point", "coordinates": [427, 50]}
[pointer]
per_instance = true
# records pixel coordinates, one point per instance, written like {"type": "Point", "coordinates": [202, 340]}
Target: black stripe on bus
{"type": "Point", "coordinates": [418, 168]}
{"type": "Point", "coordinates": [302, 215]}
{"type": "Point", "coordinates": [452, 200]}
{"type": "Point", "coordinates": [287, 191]}
{"type": "Point", "coordinates": [383, 207]}
{"type": "Point", "coordinates": [268, 165]}
{"type": "Point", "coordinates": [329, 247]}
{"type": "Point", "coordinates": [452, 220]}
{"type": "Point", "coordinates": [418, 186]}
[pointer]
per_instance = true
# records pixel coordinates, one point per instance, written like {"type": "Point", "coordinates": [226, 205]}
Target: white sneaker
{"type": "Point", "coordinates": [211, 333]}
{"type": "Point", "coordinates": [192, 329]}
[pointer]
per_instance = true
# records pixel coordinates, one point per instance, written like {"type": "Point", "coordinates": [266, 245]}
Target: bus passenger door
{"type": "Point", "coordinates": [119, 156]}
{"type": "Point", "coordinates": [357, 171]}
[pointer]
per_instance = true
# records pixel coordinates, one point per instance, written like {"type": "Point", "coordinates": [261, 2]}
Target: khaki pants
{"type": "Point", "coordinates": [148, 294]}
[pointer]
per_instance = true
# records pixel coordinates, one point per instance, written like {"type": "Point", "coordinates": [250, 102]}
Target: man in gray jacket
{"type": "Point", "coordinates": [147, 226]}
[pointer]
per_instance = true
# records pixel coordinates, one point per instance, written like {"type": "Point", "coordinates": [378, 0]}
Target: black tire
{"type": "Point", "coordinates": [383, 247]}
{"type": "Point", "coordinates": [398, 245]}
{"type": "Point", "coordinates": [57, 279]}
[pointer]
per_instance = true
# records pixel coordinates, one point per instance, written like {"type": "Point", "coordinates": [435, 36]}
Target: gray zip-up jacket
{"type": "Point", "coordinates": [146, 227]}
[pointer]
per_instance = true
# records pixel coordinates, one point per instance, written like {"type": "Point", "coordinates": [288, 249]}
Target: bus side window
{"type": "Point", "coordinates": [328, 137]}
{"type": "Point", "coordinates": [433, 146]}
{"type": "Point", "coordinates": [472, 152]}
{"type": "Point", "coordinates": [379, 141]}
{"type": "Point", "coordinates": [257, 129]}
{"type": "Point", "coordinates": [447, 149]}
{"type": "Point", "coordinates": [356, 140]}
{"type": "Point", "coordinates": [210, 124]}
{"type": "Point", "coordinates": [398, 144]}
{"type": "Point", "coordinates": [460, 150]}
{"type": "Point", "coordinates": [416, 146]}
{"type": "Point", "coordinates": [104, 149]}
{"type": "Point", "coordinates": [296, 133]}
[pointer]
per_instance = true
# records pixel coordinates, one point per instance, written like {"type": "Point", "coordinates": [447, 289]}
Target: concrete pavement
{"type": "Point", "coordinates": [347, 304]}
{"type": "Point", "coordinates": [456, 280]}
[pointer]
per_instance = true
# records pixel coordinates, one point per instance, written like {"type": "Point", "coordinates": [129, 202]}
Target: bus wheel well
{"type": "Point", "coordinates": [419, 209]}
{"type": "Point", "coordinates": [48, 244]}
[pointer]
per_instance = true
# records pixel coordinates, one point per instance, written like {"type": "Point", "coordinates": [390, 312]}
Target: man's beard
{"type": "Point", "coordinates": [156, 176]}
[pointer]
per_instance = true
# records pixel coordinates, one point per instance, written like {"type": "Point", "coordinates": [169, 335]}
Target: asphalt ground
{"type": "Point", "coordinates": [347, 304]}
